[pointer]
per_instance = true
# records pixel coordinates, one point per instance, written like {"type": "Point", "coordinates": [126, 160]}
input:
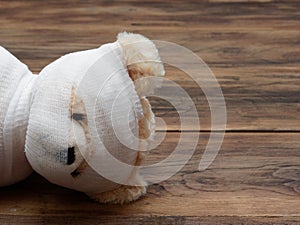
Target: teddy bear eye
{"type": "Point", "coordinates": [71, 156]}
{"type": "Point", "coordinates": [78, 116]}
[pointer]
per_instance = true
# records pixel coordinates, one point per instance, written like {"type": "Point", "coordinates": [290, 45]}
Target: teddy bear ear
{"type": "Point", "coordinates": [142, 60]}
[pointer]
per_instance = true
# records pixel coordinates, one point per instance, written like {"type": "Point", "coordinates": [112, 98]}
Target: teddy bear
{"type": "Point", "coordinates": [79, 118]}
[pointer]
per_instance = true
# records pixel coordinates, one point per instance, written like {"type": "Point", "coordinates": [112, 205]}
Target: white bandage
{"type": "Point", "coordinates": [78, 112]}
{"type": "Point", "coordinates": [98, 76]}
{"type": "Point", "coordinates": [15, 94]}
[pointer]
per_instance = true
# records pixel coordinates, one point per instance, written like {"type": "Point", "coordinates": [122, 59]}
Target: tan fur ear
{"type": "Point", "coordinates": [141, 55]}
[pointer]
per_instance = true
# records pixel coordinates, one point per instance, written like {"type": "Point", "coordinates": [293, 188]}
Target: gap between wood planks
{"type": "Point", "coordinates": [229, 131]}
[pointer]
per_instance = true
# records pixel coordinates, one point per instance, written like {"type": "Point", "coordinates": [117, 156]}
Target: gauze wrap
{"type": "Point", "coordinates": [16, 83]}
{"type": "Point", "coordinates": [90, 72]}
{"type": "Point", "coordinates": [42, 112]}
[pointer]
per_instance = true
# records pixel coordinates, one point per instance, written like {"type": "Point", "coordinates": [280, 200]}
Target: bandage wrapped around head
{"type": "Point", "coordinates": [79, 116]}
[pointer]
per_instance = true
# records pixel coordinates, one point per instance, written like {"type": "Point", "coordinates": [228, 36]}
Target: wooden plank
{"type": "Point", "coordinates": [252, 47]}
{"type": "Point", "coordinates": [254, 179]}
{"type": "Point", "coordinates": [259, 98]}
{"type": "Point", "coordinates": [148, 220]}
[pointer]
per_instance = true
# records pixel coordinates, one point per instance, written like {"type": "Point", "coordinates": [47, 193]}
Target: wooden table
{"type": "Point", "coordinates": [253, 48]}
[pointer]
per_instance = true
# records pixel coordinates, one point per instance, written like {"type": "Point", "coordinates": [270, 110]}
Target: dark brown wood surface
{"type": "Point", "coordinates": [253, 48]}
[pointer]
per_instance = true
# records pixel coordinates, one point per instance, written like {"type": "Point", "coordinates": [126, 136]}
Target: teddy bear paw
{"type": "Point", "coordinates": [121, 195]}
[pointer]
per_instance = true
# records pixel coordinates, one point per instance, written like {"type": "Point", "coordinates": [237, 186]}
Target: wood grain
{"type": "Point", "coordinates": [256, 181]}
{"type": "Point", "coordinates": [150, 220]}
{"type": "Point", "coordinates": [253, 49]}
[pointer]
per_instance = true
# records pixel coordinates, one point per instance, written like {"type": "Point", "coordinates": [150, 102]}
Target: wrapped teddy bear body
{"type": "Point", "coordinates": [80, 113]}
